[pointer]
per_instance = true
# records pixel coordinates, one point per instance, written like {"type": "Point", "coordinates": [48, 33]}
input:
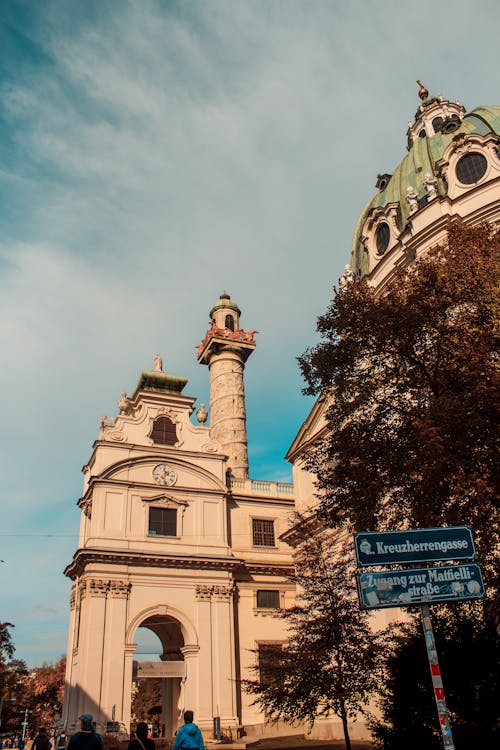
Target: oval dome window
{"type": "Point", "coordinates": [382, 237]}
{"type": "Point", "coordinates": [470, 168]}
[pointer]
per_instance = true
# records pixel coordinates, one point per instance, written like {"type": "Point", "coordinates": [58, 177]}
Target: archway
{"type": "Point", "coordinates": [158, 673]}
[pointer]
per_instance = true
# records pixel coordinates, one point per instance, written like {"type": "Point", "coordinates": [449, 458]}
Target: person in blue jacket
{"type": "Point", "coordinates": [188, 736]}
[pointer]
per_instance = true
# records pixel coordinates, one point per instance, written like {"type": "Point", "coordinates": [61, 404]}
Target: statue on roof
{"type": "Point", "coordinates": [430, 185]}
{"type": "Point", "coordinates": [412, 199]}
{"type": "Point", "coordinates": [347, 277]}
{"type": "Point", "coordinates": [158, 363]}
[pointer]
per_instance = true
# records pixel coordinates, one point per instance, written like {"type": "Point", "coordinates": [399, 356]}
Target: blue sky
{"type": "Point", "coordinates": [154, 154]}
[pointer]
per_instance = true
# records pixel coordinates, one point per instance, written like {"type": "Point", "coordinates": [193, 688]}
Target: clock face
{"type": "Point", "coordinates": [164, 474]}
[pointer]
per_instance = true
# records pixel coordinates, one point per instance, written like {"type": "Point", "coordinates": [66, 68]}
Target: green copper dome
{"type": "Point", "coordinates": [225, 301]}
{"type": "Point", "coordinates": [422, 157]}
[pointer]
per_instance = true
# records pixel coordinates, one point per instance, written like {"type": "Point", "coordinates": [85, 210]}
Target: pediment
{"type": "Point", "coordinates": [165, 501]}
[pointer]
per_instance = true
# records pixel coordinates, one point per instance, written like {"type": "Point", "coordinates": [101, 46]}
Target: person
{"type": "Point", "coordinates": [141, 741]}
{"type": "Point", "coordinates": [41, 741]}
{"type": "Point", "coordinates": [188, 736]}
{"type": "Point", "coordinates": [87, 738]}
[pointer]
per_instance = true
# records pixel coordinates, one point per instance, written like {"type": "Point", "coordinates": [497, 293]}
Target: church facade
{"type": "Point", "coordinates": [175, 536]}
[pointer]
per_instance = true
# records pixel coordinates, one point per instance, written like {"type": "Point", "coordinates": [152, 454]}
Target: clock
{"type": "Point", "coordinates": [164, 474]}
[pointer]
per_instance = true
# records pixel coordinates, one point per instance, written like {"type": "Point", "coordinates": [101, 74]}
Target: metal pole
{"type": "Point", "coordinates": [437, 682]}
{"type": "Point", "coordinates": [25, 723]}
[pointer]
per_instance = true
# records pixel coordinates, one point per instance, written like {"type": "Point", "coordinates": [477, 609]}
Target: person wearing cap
{"type": "Point", "coordinates": [87, 738]}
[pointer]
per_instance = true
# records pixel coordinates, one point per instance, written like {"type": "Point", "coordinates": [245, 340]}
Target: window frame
{"type": "Point", "coordinates": [267, 607]}
{"type": "Point", "coordinates": [173, 433]}
{"type": "Point", "coordinates": [151, 533]}
{"type": "Point", "coordinates": [259, 519]}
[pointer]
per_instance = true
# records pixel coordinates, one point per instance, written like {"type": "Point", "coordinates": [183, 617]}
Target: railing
{"type": "Point", "coordinates": [261, 487]}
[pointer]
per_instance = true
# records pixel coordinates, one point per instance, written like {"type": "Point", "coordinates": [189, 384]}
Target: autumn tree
{"type": "Point", "coordinates": [411, 375]}
{"type": "Point", "coordinates": [44, 693]}
{"type": "Point", "coordinates": [328, 663]}
{"type": "Point", "coordinates": [13, 677]}
{"type": "Point", "coordinates": [147, 700]}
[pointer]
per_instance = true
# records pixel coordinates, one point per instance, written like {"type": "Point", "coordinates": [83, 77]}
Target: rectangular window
{"type": "Point", "coordinates": [163, 521]}
{"type": "Point", "coordinates": [270, 667]}
{"type": "Point", "coordinates": [263, 533]}
{"type": "Point", "coordinates": [268, 599]}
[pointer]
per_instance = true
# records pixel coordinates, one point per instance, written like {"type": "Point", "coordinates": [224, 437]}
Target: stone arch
{"type": "Point", "coordinates": [187, 628]}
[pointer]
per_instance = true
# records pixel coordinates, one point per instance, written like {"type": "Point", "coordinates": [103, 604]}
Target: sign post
{"type": "Point", "coordinates": [398, 587]}
{"type": "Point", "coordinates": [437, 682]}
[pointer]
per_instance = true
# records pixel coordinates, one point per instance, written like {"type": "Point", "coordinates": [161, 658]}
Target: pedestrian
{"type": "Point", "coordinates": [41, 741]}
{"type": "Point", "coordinates": [87, 738]}
{"type": "Point", "coordinates": [188, 736]}
{"type": "Point", "coordinates": [141, 741]}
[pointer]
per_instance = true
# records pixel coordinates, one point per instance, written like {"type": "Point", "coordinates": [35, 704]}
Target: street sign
{"type": "Point", "coordinates": [401, 588]}
{"type": "Point", "coordinates": [414, 545]}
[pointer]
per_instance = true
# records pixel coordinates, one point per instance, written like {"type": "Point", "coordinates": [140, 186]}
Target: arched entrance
{"type": "Point", "coordinates": [159, 673]}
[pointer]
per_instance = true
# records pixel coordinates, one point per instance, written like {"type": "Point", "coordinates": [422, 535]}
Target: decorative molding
{"type": "Point", "coordinates": [209, 447]}
{"type": "Point", "coordinates": [72, 597]}
{"type": "Point", "coordinates": [97, 587]}
{"type": "Point", "coordinates": [119, 589]}
{"type": "Point", "coordinates": [84, 557]}
{"type": "Point", "coordinates": [220, 593]}
{"type": "Point", "coordinates": [86, 506]}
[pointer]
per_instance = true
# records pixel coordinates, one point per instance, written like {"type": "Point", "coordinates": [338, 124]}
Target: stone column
{"type": "Point", "coordinates": [224, 655]}
{"type": "Point", "coordinates": [113, 685]}
{"type": "Point", "coordinates": [91, 646]}
{"type": "Point", "coordinates": [227, 407]}
{"type": "Point", "coordinates": [190, 689]}
{"type": "Point", "coordinates": [70, 688]}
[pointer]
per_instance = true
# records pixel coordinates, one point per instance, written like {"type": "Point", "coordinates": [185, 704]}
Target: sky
{"type": "Point", "coordinates": [154, 154]}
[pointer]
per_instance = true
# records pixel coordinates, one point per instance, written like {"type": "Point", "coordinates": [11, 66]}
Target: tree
{"type": "Point", "coordinates": [44, 693]}
{"type": "Point", "coordinates": [328, 664]}
{"type": "Point", "coordinates": [469, 650]}
{"type": "Point", "coordinates": [13, 676]}
{"type": "Point", "coordinates": [412, 378]}
{"type": "Point", "coordinates": [147, 699]}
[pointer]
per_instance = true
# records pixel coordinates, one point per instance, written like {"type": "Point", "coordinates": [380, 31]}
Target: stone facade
{"type": "Point", "coordinates": [169, 540]}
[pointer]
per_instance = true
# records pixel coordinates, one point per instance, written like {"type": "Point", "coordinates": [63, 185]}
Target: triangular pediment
{"type": "Point", "coordinates": [164, 500]}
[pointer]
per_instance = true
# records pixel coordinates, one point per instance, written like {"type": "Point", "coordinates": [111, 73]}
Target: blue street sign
{"type": "Point", "coordinates": [401, 588]}
{"type": "Point", "coordinates": [414, 545]}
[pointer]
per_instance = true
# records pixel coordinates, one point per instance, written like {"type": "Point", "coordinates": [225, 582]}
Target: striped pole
{"type": "Point", "coordinates": [437, 682]}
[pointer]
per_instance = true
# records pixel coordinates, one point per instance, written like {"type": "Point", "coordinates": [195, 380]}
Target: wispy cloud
{"type": "Point", "coordinates": [160, 153]}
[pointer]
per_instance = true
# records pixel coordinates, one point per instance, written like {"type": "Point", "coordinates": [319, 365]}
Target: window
{"type": "Point", "coordinates": [437, 124]}
{"type": "Point", "coordinates": [263, 533]}
{"type": "Point", "coordinates": [229, 323]}
{"type": "Point", "coordinates": [270, 668]}
{"type": "Point", "coordinates": [164, 431]}
{"type": "Point", "coordinates": [382, 238]}
{"type": "Point", "coordinates": [470, 168]}
{"type": "Point", "coordinates": [450, 124]}
{"type": "Point", "coordinates": [162, 522]}
{"type": "Point", "coordinates": [268, 599]}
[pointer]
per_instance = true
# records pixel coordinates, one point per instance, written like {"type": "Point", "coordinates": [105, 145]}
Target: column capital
{"type": "Point", "coordinates": [190, 650]}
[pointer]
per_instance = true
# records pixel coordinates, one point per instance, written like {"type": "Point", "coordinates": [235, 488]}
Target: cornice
{"type": "Point", "coordinates": [84, 557]}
